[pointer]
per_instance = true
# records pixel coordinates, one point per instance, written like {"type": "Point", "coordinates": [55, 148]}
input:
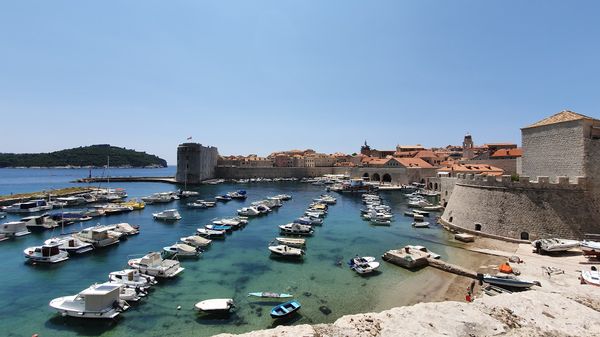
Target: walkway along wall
{"type": "Point", "coordinates": [523, 209]}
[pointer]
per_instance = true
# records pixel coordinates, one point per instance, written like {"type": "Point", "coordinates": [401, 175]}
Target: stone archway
{"type": "Point", "coordinates": [435, 187]}
{"type": "Point", "coordinates": [478, 227]}
{"type": "Point", "coordinates": [430, 185]}
{"type": "Point", "coordinates": [365, 176]}
{"type": "Point", "coordinates": [375, 177]}
{"type": "Point", "coordinates": [524, 236]}
{"type": "Point", "coordinates": [387, 178]}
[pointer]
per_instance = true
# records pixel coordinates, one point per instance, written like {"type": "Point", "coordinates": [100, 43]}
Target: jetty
{"type": "Point", "coordinates": [169, 180]}
{"type": "Point", "coordinates": [410, 258]}
{"type": "Point", "coordinates": [63, 192]}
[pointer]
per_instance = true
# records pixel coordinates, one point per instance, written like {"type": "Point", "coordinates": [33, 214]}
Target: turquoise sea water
{"type": "Point", "coordinates": [229, 268]}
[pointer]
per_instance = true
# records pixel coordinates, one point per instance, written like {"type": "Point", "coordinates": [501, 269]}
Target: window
{"type": "Point", "coordinates": [477, 226]}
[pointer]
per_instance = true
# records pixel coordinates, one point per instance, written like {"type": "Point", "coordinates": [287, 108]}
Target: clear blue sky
{"type": "Point", "coordinates": [260, 76]}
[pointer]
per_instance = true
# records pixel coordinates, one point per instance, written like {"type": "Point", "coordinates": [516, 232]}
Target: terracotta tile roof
{"type": "Point", "coordinates": [563, 116]}
{"type": "Point", "coordinates": [426, 154]}
{"type": "Point", "coordinates": [473, 168]}
{"type": "Point", "coordinates": [508, 153]}
{"type": "Point", "coordinates": [413, 162]}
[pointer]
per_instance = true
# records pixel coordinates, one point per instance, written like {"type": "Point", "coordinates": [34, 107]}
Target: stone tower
{"type": "Point", "coordinates": [468, 147]}
{"type": "Point", "coordinates": [195, 163]}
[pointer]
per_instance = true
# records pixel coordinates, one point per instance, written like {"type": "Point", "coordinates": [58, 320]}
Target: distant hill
{"type": "Point", "coordinates": [95, 155]}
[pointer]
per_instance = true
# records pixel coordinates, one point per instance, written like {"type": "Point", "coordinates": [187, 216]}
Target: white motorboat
{"type": "Point", "coordinates": [124, 228]}
{"type": "Point", "coordinates": [363, 264]}
{"type": "Point", "coordinates": [555, 244]}
{"type": "Point", "coordinates": [381, 221]}
{"type": "Point", "coordinates": [132, 278]}
{"type": "Point", "coordinates": [167, 215]}
{"type": "Point", "coordinates": [154, 265]}
{"type": "Point", "coordinates": [296, 229]}
{"type": "Point", "coordinates": [217, 305]}
{"type": "Point", "coordinates": [248, 211]}
{"type": "Point", "coordinates": [307, 220]}
{"type": "Point", "coordinates": [129, 294]}
{"type": "Point", "coordinates": [419, 203]}
{"type": "Point", "coordinates": [590, 276]}
{"type": "Point", "coordinates": [423, 213]}
{"type": "Point", "coordinates": [196, 241]}
{"type": "Point", "coordinates": [14, 229]}
{"type": "Point", "coordinates": [314, 214]}
{"type": "Point", "coordinates": [160, 198]}
{"type": "Point", "coordinates": [182, 250]}
{"type": "Point", "coordinates": [423, 224]}
{"type": "Point", "coordinates": [39, 222]}
{"type": "Point", "coordinates": [211, 233]}
{"type": "Point", "coordinates": [98, 301]}
{"type": "Point", "coordinates": [262, 209]}
{"type": "Point", "coordinates": [433, 208]}
{"type": "Point", "coordinates": [187, 194]}
{"type": "Point", "coordinates": [236, 222]}
{"type": "Point", "coordinates": [508, 281]}
{"type": "Point", "coordinates": [70, 244]}
{"type": "Point", "coordinates": [99, 236]}
{"type": "Point", "coordinates": [29, 207]}
{"type": "Point", "coordinates": [112, 209]}
{"type": "Point", "coordinates": [197, 204]}
{"type": "Point", "coordinates": [283, 197]}
{"type": "Point", "coordinates": [290, 242]}
{"type": "Point", "coordinates": [72, 200]}
{"type": "Point", "coordinates": [418, 217]}
{"type": "Point", "coordinates": [590, 247]}
{"type": "Point", "coordinates": [48, 253]}
{"type": "Point", "coordinates": [286, 251]}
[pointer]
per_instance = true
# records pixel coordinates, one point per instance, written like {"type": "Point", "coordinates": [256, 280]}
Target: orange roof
{"type": "Point", "coordinates": [508, 153]}
{"type": "Point", "coordinates": [473, 168]}
{"type": "Point", "coordinates": [426, 154]}
{"type": "Point", "coordinates": [413, 162]}
{"type": "Point", "coordinates": [563, 116]}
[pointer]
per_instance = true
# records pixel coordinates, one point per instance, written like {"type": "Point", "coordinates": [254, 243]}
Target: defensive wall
{"type": "Point", "coordinates": [394, 175]}
{"type": "Point", "coordinates": [520, 210]}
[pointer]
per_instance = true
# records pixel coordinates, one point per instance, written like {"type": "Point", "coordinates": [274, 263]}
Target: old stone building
{"type": "Point", "coordinates": [195, 163]}
{"type": "Point", "coordinates": [557, 194]}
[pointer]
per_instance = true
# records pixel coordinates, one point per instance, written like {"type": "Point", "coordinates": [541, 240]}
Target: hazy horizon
{"type": "Point", "coordinates": [264, 76]}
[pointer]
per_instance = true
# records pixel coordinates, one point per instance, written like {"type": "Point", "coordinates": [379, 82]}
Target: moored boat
{"type": "Point", "coordinates": [296, 229]}
{"type": "Point", "coordinates": [216, 305]}
{"type": "Point", "coordinates": [196, 241]}
{"type": "Point", "coordinates": [47, 253]}
{"type": "Point", "coordinates": [154, 265]}
{"type": "Point", "coordinates": [39, 222]}
{"type": "Point", "coordinates": [167, 215]}
{"type": "Point", "coordinates": [286, 251]}
{"type": "Point", "coordinates": [97, 301]}
{"type": "Point", "coordinates": [182, 250]}
{"type": "Point", "coordinates": [268, 294]}
{"type": "Point", "coordinates": [70, 244]}
{"type": "Point", "coordinates": [14, 229]}
{"type": "Point", "coordinates": [589, 247]}
{"type": "Point", "coordinates": [210, 233]}
{"type": "Point", "coordinates": [291, 242]}
{"type": "Point", "coordinates": [132, 278]}
{"type": "Point", "coordinates": [420, 224]}
{"type": "Point", "coordinates": [285, 309]}
{"type": "Point", "coordinates": [555, 244]}
{"type": "Point", "coordinates": [508, 281]}
{"type": "Point", "coordinates": [591, 276]}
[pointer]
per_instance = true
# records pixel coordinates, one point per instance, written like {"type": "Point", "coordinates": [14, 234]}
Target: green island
{"type": "Point", "coordinates": [84, 156]}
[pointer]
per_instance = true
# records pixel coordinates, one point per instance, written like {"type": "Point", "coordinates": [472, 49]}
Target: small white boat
{"type": "Point", "coordinates": [46, 254]}
{"type": "Point", "coordinates": [154, 265]}
{"type": "Point", "coordinates": [236, 222]}
{"type": "Point", "coordinates": [248, 211]}
{"type": "Point", "coordinates": [29, 207]}
{"type": "Point", "coordinates": [423, 213]}
{"type": "Point", "coordinates": [132, 278]}
{"type": "Point", "coordinates": [129, 294]}
{"type": "Point", "coordinates": [182, 250]}
{"type": "Point", "coordinates": [590, 276]}
{"type": "Point", "coordinates": [420, 224]}
{"type": "Point", "coordinates": [210, 233]}
{"type": "Point", "coordinates": [217, 305]}
{"type": "Point", "coordinates": [196, 204]}
{"type": "Point", "coordinates": [433, 208]}
{"type": "Point", "coordinates": [555, 244]}
{"type": "Point", "coordinates": [97, 301]}
{"type": "Point", "coordinates": [418, 217]}
{"type": "Point", "coordinates": [196, 241]}
{"type": "Point", "coordinates": [296, 229]}
{"type": "Point", "coordinates": [381, 222]}
{"type": "Point", "coordinates": [187, 194]}
{"type": "Point", "coordinates": [364, 264]}
{"type": "Point", "coordinates": [14, 229]}
{"type": "Point", "coordinates": [508, 281]}
{"type": "Point", "coordinates": [590, 247]}
{"type": "Point", "coordinates": [291, 242]}
{"type": "Point", "coordinates": [286, 251]}
{"type": "Point", "coordinates": [99, 236]}
{"type": "Point", "coordinates": [167, 215]}
{"type": "Point", "coordinates": [158, 198]}
{"type": "Point", "coordinates": [70, 244]}
{"type": "Point", "coordinates": [268, 294]}
{"type": "Point", "coordinates": [124, 228]}
{"type": "Point", "coordinates": [39, 222]}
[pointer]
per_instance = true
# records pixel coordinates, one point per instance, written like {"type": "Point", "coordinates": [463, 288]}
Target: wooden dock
{"type": "Point", "coordinates": [168, 180]}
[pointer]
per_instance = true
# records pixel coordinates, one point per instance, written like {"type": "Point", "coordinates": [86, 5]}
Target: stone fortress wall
{"type": "Point", "coordinates": [195, 163]}
{"type": "Point", "coordinates": [520, 210]}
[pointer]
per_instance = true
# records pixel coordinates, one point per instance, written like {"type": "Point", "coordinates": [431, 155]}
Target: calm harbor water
{"type": "Point", "coordinates": [229, 268]}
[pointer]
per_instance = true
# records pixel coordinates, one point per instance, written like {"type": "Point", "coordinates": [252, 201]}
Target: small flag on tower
{"type": "Point", "coordinates": [189, 138]}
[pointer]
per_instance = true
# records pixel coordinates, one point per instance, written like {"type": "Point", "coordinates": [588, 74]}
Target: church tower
{"type": "Point", "coordinates": [468, 147]}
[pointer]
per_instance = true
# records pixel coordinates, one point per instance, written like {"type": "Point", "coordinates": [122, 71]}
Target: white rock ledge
{"type": "Point", "coordinates": [530, 313]}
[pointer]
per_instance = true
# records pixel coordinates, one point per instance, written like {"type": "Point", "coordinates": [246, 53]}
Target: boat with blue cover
{"type": "Point", "coordinates": [285, 309]}
{"type": "Point", "coordinates": [223, 197]}
{"type": "Point", "coordinates": [227, 228]}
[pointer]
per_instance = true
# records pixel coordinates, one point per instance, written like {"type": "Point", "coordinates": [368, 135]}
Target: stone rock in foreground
{"type": "Point", "coordinates": [531, 313]}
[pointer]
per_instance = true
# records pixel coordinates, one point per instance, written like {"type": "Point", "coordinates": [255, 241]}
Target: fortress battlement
{"type": "Point", "coordinates": [524, 182]}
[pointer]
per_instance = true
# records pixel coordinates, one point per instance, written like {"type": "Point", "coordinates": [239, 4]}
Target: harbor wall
{"type": "Point", "coordinates": [396, 175]}
{"type": "Point", "coordinates": [522, 210]}
{"type": "Point", "coordinates": [195, 163]}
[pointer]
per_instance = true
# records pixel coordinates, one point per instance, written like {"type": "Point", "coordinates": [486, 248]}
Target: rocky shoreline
{"type": "Point", "coordinates": [561, 307]}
